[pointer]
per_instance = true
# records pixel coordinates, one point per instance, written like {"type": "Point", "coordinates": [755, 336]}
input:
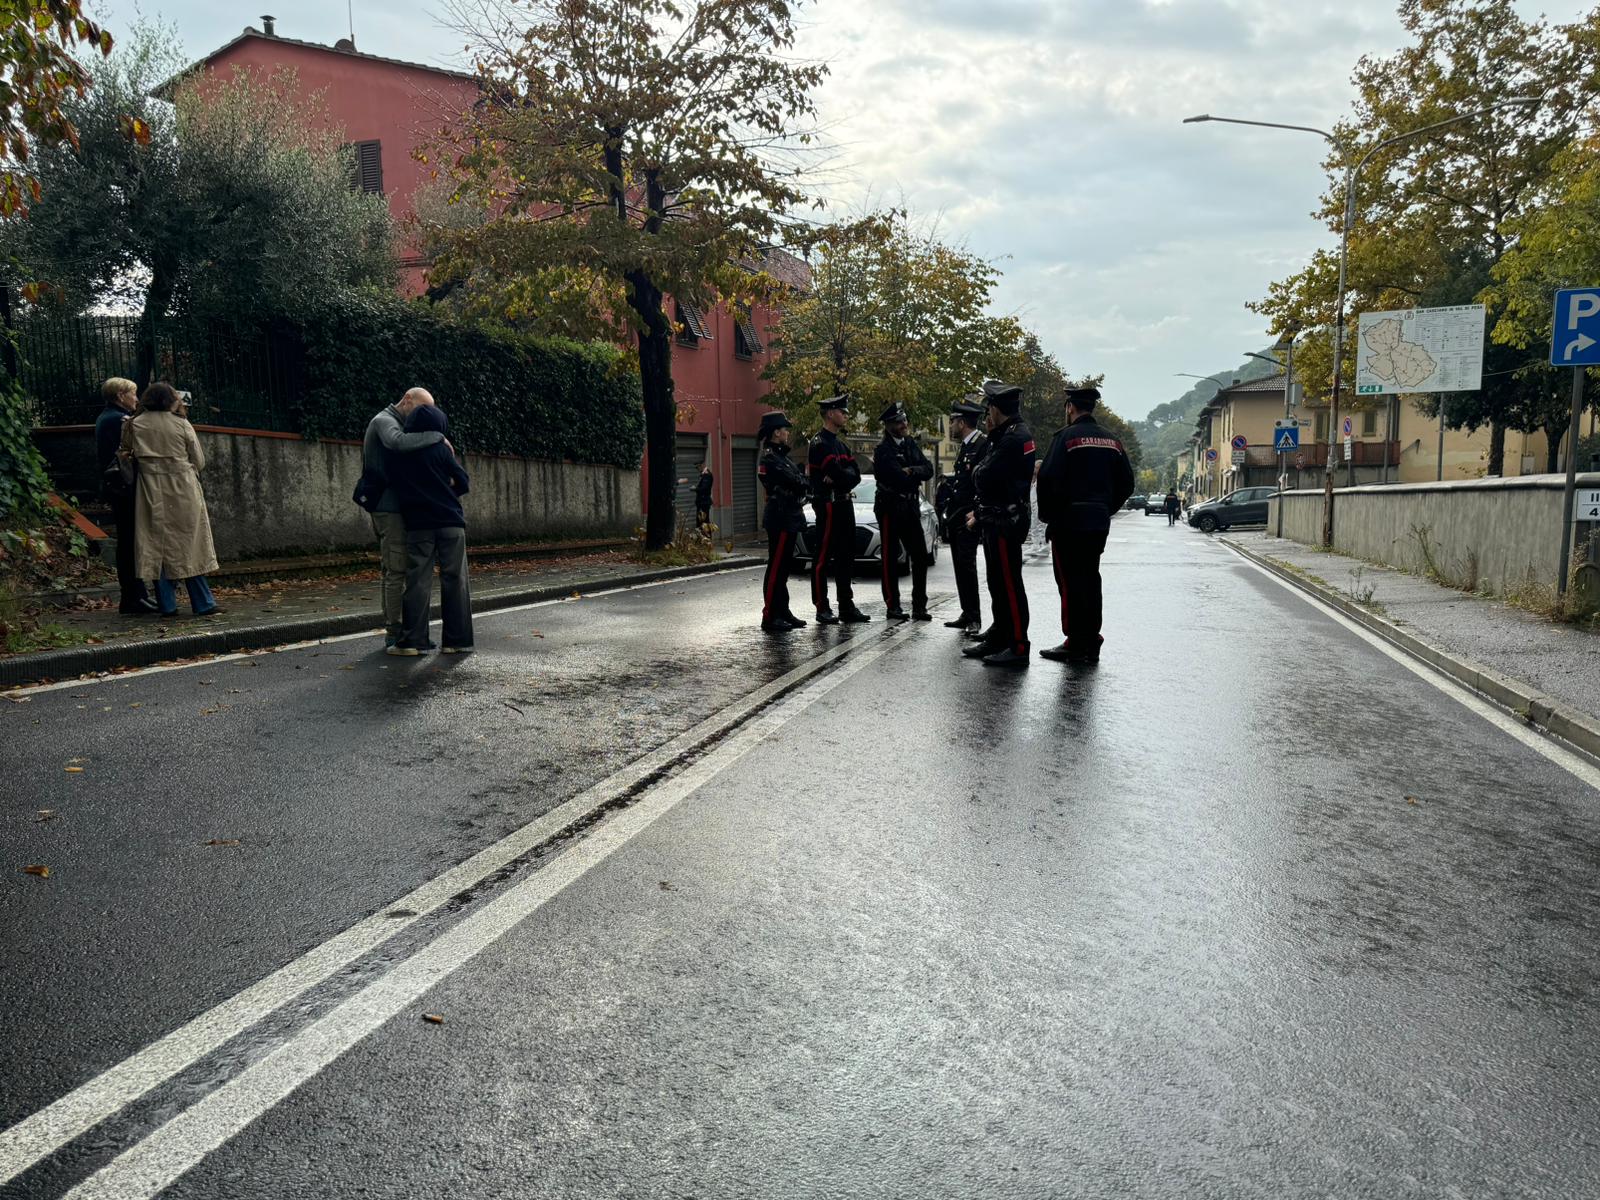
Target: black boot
{"type": "Point", "coordinates": [921, 614]}
{"type": "Point", "coordinates": [980, 649]}
{"type": "Point", "coordinates": [1009, 657]}
{"type": "Point", "coordinates": [897, 614]}
{"type": "Point", "coordinates": [961, 622]}
{"type": "Point", "coordinates": [1059, 653]}
{"type": "Point", "coordinates": [825, 617]}
{"type": "Point", "coordinates": [853, 615]}
{"type": "Point", "coordinates": [793, 621]}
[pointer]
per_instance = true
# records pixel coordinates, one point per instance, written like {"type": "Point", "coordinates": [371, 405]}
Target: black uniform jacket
{"type": "Point", "coordinates": [901, 468]}
{"type": "Point", "coordinates": [1085, 478]}
{"type": "Point", "coordinates": [963, 496]}
{"type": "Point", "coordinates": [702, 490]}
{"type": "Point", "coordinates": [1004, 477]}
{"type": "Point", "coordinates": [834, 472]}
{"type": "Point", "coordinates": [786, 489]}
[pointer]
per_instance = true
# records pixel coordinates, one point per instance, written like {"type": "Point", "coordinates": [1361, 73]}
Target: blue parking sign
{"type": "Point", "coordinates": [1575, 328]}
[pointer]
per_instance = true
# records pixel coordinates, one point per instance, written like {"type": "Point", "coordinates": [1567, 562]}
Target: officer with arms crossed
{"type": "Point", "coordinates": [1086, 477]}
{"type": "Point", "coordinates": [784, 520]}
{"type": "Point", "coordinates": [834, 473]}
{"type": "Point", "coordinates": [1003, 479]}
{"type": "Point", "coordinates": [901, 468]}
{"type": "Point", "coordinates": [966, 419]}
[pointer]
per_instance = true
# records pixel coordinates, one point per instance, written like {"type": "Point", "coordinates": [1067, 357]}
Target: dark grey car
{"type": "Point", "coordinates": [1246, 506]}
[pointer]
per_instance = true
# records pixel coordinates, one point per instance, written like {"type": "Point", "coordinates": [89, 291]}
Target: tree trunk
{"type": "Point", "coordinates": [157, 297]}
{"type": "Point", "coordinates": [1497, 449]}
{"type": "Point", "coordinates": [1554, 435]}
{"type": "Point", "coordinates": [660, 410]}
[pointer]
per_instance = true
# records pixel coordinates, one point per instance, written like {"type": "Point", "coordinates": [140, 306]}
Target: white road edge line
{"type": "Point", "coordinates": [47, 1130]}
{"type": "Point", "coordinates": [160, 1159]}
{"type": "Point", "coordinates": [375, 631]}
{"type": "Point", "coordinates": [1569, 761]}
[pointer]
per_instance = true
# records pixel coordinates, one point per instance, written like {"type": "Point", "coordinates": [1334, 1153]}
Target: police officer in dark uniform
{"type": "Point", "coordinates": [901, 468]}
{"type": "Point", "coordinates": [834, 474]}
{"type": "Point", "coordinates": [1086, 477]}
{"type": "Point", "coordinates": [966, 420]}
{"type": "Point", "coordinates": [784, 520]}
{"type": "Point", "coordinates": [1003, 479]}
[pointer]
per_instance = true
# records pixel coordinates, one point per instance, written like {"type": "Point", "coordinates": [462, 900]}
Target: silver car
{"type": "Point", "coordinates": [867, 536]}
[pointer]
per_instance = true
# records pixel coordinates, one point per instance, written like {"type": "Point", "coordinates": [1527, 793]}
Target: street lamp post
{"type": "Point", "coordinates": [1350, 176]}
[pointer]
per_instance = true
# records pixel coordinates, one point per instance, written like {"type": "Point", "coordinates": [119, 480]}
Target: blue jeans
{"type": "Point", "coordinates": [200, 598]}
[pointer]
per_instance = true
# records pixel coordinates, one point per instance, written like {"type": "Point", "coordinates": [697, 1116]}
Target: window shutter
{"type": "Point", "coordinates": [366, 167]}
{"type": "Point", "coordinates": [746, 341]}
{"type": "Point", "coordinates": [694, 325]}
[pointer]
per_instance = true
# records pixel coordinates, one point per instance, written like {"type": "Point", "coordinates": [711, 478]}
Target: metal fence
{"type": "Point", "coordinates": [248, 378]}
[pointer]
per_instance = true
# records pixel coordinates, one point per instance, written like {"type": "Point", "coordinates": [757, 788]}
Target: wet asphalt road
{"type": "Point", "coordinates": [1251, 910]}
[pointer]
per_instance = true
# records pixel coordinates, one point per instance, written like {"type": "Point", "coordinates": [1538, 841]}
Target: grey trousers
{"type": "Point", "coordinates": [391, 533]}
{"type": "Point", "coordinates": [446, 548]}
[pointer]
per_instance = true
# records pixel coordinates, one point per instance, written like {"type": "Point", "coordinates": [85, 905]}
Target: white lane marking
{"type": "Point", "coordinates": [1567, 760]}
{"type": "Point", "coordinates": [161, 1158]}
{"type": "Point", "coordinates": [375, 631]}
{"type": "Point", "coordinates": [74, 1114]}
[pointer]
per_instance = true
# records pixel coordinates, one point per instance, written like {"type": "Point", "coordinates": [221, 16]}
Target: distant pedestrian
{"type": "Point", "coordinates": [1171, 506]}
{"type": "Point", "coordinates": [702, 496]}
{"type": "Point", "coordinates": [966, 419]}
{"type": "Point", "coordinates": [121, 397]}
{"type": "Point", "coordinates": [784, 520]}
{"type": "Point", "coordinates": [429, 484]}
{"type": "Point", "coordinates": [1087, 476]}
{"type": "Point", "coordinates": [386, 434]}
{"type": "Point", "coordinates": [172, 528]}
{"type": "Point", "coordinates": [900, 468]}
{"type": "Point", "coordinates": [1004, 478]}
{"type": "Point", "coordinates": [834, 475]}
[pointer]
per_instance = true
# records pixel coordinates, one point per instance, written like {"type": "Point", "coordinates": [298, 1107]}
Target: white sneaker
{"type": "Point", "coordinates": [403, 651]}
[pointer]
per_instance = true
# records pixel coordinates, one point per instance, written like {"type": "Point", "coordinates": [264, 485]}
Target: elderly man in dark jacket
{"type": "Point", "coordinates": [1086, 477]}
{"type": "Point", "coordinates": [429, 485]}
{"type": "Point", "coordinates": [121, 397]}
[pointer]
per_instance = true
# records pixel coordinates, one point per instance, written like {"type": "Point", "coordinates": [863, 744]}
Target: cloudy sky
{"type": "Point", "coordinates": [1045, 134]}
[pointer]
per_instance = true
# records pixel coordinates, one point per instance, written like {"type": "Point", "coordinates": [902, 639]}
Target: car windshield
{"type": "Point", "coordinates": [865, 491]}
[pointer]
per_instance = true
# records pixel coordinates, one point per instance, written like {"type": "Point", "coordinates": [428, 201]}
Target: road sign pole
{"type": "Point", "coordinates": [1572, 481]}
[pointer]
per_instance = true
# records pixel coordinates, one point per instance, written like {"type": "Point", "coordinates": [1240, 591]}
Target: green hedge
{"type": "Point", "coordinates": [504, 393]}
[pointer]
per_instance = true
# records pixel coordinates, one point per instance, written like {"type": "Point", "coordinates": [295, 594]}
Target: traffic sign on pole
{"type": "Point", "coordinates": [1286, 438]}
{"type": "Point", "coordinates": [1587, 506]}
{"type": "Point", "coordinates": [1240, 442]}
{"type": "Point", "coordinates": [1575, 328]}
{"type": "Point", "coordinates": [1211, 455]}
{"type": "Point", "coordinates": [1349, 427]}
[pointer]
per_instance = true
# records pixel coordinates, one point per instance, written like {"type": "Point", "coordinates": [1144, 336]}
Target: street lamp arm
{"type": "Point", "coordinates": [1455, 120]}
{"type": "Point", "coordinates": [1322, 133]}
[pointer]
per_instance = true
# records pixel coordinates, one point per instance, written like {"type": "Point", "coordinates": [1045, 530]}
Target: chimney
{"type": "Point", "coordinates": [268, 25]}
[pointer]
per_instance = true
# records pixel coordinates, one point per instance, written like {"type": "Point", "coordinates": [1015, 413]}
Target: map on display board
{"type": "Point", "coordinates": [1420, 350]}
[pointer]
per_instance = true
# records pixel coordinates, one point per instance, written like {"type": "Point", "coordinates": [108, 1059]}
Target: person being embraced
{"type": "Point", "coordinates": [429, 484]}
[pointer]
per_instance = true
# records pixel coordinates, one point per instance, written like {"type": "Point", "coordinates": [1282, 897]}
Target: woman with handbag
{"type": "Point", "coordinates": [116, 488]}
{"type": "Point", "coordinates": [173, 528]}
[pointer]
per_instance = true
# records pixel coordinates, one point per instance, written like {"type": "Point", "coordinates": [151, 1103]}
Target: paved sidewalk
{"type": "Point", "coordinates": [276, 612]}
{"type": "Point", "coordinates": [1558, 661]}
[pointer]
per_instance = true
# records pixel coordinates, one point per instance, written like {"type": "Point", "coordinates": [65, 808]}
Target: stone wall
{"type": "Point", "coordinates": [271, 494]}
{"type": "Point", "coordinates": [1498, 533]}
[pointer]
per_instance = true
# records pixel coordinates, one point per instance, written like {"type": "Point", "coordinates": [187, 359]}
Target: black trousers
{"type": "Point", "coordinates": [835, 553]}
{"type": "Point", "coordinates": [964, 545]}
{"type": "Point", "coordinates": [1076, 558]}
{"type": "Point", "coordinates": [775, 583]}
{"type": "Point", "coordinates": [128, 582]}
{"type": "Point", "coordinates": [894, 531]}
{"type": "Point", "coordinates": [1002, 555]}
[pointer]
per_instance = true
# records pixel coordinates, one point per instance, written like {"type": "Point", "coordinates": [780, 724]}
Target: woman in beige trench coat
{"type": "Point", "coordinates": [172, 530]}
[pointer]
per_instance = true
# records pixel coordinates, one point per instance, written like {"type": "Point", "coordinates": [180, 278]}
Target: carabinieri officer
{"type": "Point", "coordinates": [901, 468]}
{"type": "Point", "coordinates": [834, 474]}
{"type": "Point", "coordinates": [966, 419]}
{"type": "Point", "coordinates": [1003, 479]}
{"type": "Point", "coordinates": [784, 520]}
{"type": "Point", "coordinates": [1086, 477]}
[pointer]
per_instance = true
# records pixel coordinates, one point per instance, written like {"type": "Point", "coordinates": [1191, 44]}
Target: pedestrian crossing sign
{"type": "Point", "coordinates": [1287, 438]}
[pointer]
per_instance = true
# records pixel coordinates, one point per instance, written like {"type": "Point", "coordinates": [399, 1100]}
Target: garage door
{"type": "Point", "coordinates": [744, 489]}
{"type": "Point", "coordinates": [691, 452]}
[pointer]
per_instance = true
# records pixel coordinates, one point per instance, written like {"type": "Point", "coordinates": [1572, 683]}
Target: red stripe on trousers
{"type": "Point", "coordinates": [772, 579]}
{"type": "Point", "coordinates": [819, 594]}
{"type": "Point", "coordinates": [1011, 594]}
{"type": "Point", "coordinates": [1061, 585]}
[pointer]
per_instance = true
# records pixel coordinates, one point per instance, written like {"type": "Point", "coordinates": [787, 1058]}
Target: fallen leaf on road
{"type": "Point", "coordinates": [223, 842]}
{"type": "Point", "coordinates": [137, 704]}
{"type": "Point", "coordinates": [74, 770]}
{"type": "Point", "coordinates": [348, 667]}
{"type": "Point", "coordinates": [1412, 800]}
{"type": "Point", "coordinates": [665, 886]}
{"type": "Point", "coordinates": [433, 1018]}
{"type": "Point", "coordinates": [45, 814]}
{"type": "Point", "coordinates": [537, 634]}
{"type": "Point", "coordinates": [19, 699]}
{"type": "Point", "coordinates": [39, 869]}
{"type": "Point", "coordinates": [576, 596]}
{"type": "Point", "coordinates": [205, 682]}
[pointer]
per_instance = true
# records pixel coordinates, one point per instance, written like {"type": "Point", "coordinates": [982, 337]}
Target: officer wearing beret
{"type": "Point", "coordinates": [966, 421]}
{"type": "Point", "coordinates": [1003, 479]}
{"type": "Point", "coordinates": [901, 468]}
{"type": "Point", "coordinates": [784, 520]}
{"type": "Point", "coordinates": [834, 474]}
{"type": "Point", "coordinates": [1086, 477]}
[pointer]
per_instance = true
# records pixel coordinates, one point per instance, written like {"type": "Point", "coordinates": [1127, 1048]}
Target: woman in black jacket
{"type": "Point", "coordinates": [787, 491]}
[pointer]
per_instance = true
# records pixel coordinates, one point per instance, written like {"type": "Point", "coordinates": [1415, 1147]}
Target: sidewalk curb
{"type": "Point", "coordinates": [1539, 710]}
{"type": "Point", "coordinates": [86, 660]}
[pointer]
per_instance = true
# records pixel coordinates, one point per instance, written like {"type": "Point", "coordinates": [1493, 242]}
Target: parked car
{"type": "Point", "coordinates": [866, 548]}
{"type": "Point", "coordinates": [1135, 503]}
{"type": "Point", "coordinates": [1245, 506]}
{"type": "Point", "coordinates": [1155, 505]}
